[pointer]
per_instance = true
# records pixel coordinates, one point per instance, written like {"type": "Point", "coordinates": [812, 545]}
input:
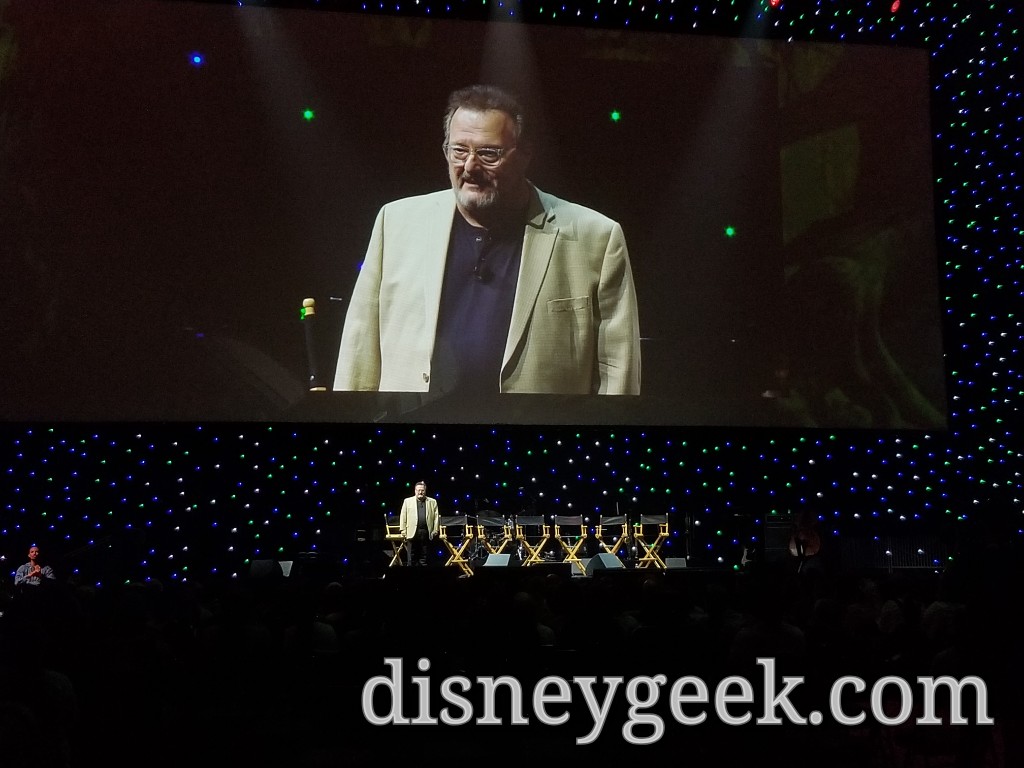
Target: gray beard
{"type": "Point", "coordinates": [477, 202]}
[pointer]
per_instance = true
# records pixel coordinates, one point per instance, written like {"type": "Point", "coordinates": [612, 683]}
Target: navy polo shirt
{"type": "Point", "coordinates": [480, 278]}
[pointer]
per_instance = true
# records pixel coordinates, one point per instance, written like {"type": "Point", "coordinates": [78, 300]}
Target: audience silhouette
{"type": "Point", "coordinates": [268, 670]}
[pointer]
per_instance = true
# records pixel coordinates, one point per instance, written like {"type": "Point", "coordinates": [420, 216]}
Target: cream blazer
{"type": "Point", "coordinates": [574, 327]}
{"type": "Point", "coordinates": [407, 518]}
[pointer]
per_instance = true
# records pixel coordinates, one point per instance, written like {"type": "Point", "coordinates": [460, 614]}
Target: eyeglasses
{"type": "Point", "coordinates": [489, 157]}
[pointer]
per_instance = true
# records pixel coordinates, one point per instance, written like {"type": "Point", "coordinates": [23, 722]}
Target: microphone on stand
{"type": "Point", "coordinates": [308, 316]}
{"type": "Point", "coordinates": [631, 538]}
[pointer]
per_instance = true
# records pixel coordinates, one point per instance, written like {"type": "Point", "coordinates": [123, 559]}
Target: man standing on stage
{"type": "Point", "coordinates": [420, 523]}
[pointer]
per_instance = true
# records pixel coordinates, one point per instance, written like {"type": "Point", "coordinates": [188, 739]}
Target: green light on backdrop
{"type": "Point", "coordinates": [308, 114]}
{"type": "Point", "coordinates": [730, 231]}
{"type": "Point", "coordinates": [615, 115]}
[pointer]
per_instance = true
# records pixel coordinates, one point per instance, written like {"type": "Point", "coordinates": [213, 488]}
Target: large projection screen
{"type": "Point", "coordinates": [177, 178]}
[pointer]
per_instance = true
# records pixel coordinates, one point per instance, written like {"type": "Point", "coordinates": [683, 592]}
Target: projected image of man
{"type": "Point", "coordinates": [493, 285]}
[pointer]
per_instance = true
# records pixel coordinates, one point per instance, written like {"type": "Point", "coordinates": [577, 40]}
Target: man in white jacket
{"type": "Point", "coordinates": [420, 523]}
{"type": "Point", "coordinates": [491, 286]}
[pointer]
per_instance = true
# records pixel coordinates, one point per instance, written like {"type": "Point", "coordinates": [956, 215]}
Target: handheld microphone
{"type": "Point", "coordinates": [308, 315]}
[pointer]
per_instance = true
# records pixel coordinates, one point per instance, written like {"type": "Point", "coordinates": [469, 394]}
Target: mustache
{"type": "Point", "coordinates": [472, 178]}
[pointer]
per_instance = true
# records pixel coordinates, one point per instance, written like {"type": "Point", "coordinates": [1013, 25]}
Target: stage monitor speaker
{"type": "Point", "coordinates": [674, 563]}
{"type": "Point", "coordinates": [265, 569]}
{"type": "Point", "coordinates": [497, 561]}
{"type": "Point", "coordinates": [603, 562]}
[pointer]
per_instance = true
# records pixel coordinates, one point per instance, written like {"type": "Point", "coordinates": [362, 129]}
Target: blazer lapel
{"type": "Point", "coordinates": [538, 245]}
{"type": "Point", "coordinates": [433, 238]}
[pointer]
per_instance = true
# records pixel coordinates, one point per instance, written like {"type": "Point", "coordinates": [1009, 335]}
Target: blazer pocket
{"type": "Point", "coordinates": [575, 304]}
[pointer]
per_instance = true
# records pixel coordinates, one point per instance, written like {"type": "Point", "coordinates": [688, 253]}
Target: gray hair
{"type": "Point", "coordinates": [481, 98]}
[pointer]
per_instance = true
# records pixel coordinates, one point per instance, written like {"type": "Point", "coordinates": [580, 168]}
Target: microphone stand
{"type": "Point", "coordinates": [522, 510]}
{"type": "Point", "coordinates": [480, 550]}
{"type": "Point", "coordinates": [631, 544]}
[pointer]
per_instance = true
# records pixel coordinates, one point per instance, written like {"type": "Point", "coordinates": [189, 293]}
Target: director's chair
{"type": "Point", "coordinates": [571, 534]}
{"type": "Point", "coordinates": [493, 531]}
{"type": "Point", "coordinates": [611, 533]}
{"type": "Point", "coordinates": [649, 526]}
{"type": "Point", "coordinates": [450, 534]}
{"type": "Point", "coordinates": [394, 536]}
{"type": "Point", "coordinates": [533, 534]}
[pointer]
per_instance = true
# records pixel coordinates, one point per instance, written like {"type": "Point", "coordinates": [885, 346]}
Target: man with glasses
{"type": "Point", "coordinates": [491, 286]}
{"type": "Point", "coordinates": [420, 524]}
